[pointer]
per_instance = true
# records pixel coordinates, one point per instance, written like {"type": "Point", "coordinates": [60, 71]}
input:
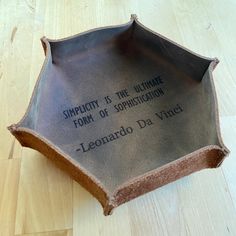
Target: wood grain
{"type": "Point", "coordinates": [44, 197]}
{"type": "Point", "coordinates": [229, 168]}
{"type": "Point", "coordinates": [38, 199]}
{"type": "Point", "coordinates": [9, 179]}
{"type": "Point", "coordinates": [52, 233]}
{"type": "Point", "coordinates": [92, 221]}
{"type": "Point", "coordinates": [15, 61]}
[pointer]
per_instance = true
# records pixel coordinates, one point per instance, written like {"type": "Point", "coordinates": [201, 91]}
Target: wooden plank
{"type": "Point", "coordinates": [9, 176]}
{"type": "Point", "coordinates": [171, 210]}
{"type": "Point", "coordinates": [15, 61]}
{"type": "Point", "coordinates": [45, 196]}
{"type": "Point", "coordinates": [190, 206]}
{"type": "Point", "coordinates": [203, 30]}
{"type": "Point", "coordinates": [228, 125]}
{"type": "Point", "coordinates": [88, 218]}
{"type": "Point", "coordinates": [51, 233]}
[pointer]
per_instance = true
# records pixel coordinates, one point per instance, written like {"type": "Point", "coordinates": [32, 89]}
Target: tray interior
{"type": "Point", "coordinates": [123, 101]}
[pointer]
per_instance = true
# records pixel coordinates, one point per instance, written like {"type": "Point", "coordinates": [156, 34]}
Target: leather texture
{"type": "Point", "coordinates": [155, 88]}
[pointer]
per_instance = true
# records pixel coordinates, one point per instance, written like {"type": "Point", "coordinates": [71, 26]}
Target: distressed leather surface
{"type": "Point", "coordinates": [172, 133]}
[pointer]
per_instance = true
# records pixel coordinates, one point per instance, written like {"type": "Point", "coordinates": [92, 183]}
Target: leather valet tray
{"type": "Point", "coordinates": [123, 110]}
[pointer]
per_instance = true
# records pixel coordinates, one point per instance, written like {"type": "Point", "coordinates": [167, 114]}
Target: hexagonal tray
{"type": "Point", "coordinates": [123, 110]}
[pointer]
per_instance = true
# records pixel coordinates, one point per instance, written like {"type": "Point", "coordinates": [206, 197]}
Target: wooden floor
{"type": "Point", "coordinates": [38, 199]}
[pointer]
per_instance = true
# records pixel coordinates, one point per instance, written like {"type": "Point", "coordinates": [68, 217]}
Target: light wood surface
{"type": "Point", "coordinates": [38, 199]}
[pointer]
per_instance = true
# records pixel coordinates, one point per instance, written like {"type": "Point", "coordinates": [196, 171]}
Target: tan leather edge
{"type": "Point", "coordinates": [47, 51]}
{"type": "Point", "coordinates": [149, 181]}
{"type": "Point", "coordinates": [132, 19]}
{"type": "Point", "coordinates": [207, 157]}
{"type": "Point", "coordinates": [28, 138]}
{"type": "Point", "coordinates": [172, 42]}
{"type": "Point", "coordinates": [197, 160]}
{"type": "Point", "coordinates": [211, 67]}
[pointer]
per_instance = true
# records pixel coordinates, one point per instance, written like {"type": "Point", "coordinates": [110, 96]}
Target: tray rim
{"type": "Point", "coordinates": [125, 191]}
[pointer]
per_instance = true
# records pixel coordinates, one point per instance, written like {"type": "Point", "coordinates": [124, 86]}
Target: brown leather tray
{"type": "Point", "coordinates": [123, 110]}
